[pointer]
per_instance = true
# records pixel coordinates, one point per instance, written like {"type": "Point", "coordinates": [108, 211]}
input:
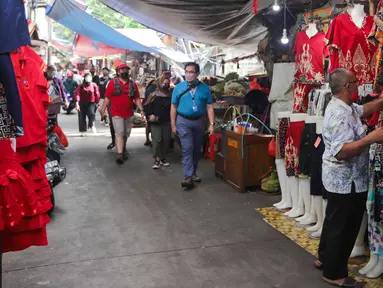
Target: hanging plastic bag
{"type": "Point", "coordinates": [272, 150]}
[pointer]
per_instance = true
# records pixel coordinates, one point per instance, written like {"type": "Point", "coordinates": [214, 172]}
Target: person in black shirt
{"type": "Point", "coordinates": [103, 81]}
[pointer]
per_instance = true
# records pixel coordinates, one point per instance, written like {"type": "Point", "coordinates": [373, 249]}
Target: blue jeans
{"type": "Point", "coordinates": [191, 133]}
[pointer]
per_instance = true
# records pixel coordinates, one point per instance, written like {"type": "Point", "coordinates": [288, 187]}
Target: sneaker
{"type": "Point", "coordinates": [120, 159]}
{"type": "Point", "coordinates": [187, 183]}
{"type": "Point", "coordinates": [82, 134]}
{"type": "Point", "coordinates": [126, 155]}
{"type": "Point", "coordinates": [148, 143]}
{"type": "Point", "coordinates": [196, 178]}
{"type": "Point", "coordinates": [156, 165]}
{"type": "Point", "coordinates": [111, 146]}
{"type": "Point", "coordinates": [165, 163]}
{"type": "Point", "coordinates": [94, 130]}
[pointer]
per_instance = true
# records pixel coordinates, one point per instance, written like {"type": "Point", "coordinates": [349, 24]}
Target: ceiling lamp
{"type": "Point", "coordinates": [284, 38]}
{"type": "Point", "coordinates": [276, 6]}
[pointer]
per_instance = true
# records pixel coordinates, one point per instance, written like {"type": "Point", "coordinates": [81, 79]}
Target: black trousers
{"type": "Point", "coordinates": [344, 215]}
{"type": "Point", "coordinates": [112, 133]}
{"type": "Point", "coordinates": [87, 109]}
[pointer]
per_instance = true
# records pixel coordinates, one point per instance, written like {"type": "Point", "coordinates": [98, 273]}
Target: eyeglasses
{"type": "Point", "coordinates": [351, 82]}
{"type": "Point", "coordinates": [190, 72]}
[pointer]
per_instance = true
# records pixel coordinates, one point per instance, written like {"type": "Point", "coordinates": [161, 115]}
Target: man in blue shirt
{"type": "Point", "coordinates": [191, 101]}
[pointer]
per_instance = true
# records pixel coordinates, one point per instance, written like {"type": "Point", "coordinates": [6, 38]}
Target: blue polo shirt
{"type": "Point", "coordinates": [202, 98]}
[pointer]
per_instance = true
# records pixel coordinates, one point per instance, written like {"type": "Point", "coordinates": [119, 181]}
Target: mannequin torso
{"type": "Point", "coordinates": [357, 14]}
{"type": "Point", "coordinates": [311, 30]}
{"type": "Point", "coordinates": [284, 114]}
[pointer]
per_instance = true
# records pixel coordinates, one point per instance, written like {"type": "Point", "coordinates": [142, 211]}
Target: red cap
{"type": "Point", "coordinates": [69, 74]}
{"type": "Point", "coordinates": [122, 66]}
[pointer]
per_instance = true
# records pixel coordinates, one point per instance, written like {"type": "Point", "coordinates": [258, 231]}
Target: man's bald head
{"type": "Point", "coordinates": [339, 79]}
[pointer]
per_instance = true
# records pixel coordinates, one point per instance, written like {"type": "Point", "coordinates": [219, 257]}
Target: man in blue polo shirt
{"type": "Point", "coordinates": [191, 101]}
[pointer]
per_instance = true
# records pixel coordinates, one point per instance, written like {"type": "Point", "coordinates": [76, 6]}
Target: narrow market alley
{"type": "Point", "coordinates": [131, 226]}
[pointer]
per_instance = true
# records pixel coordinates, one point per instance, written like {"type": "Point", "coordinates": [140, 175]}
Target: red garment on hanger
{"type": "Point", "coordinates": [22, 217]}
{"type": "Point", "coordinates": [309, 59]}
{"type": "Point", "coordinates": [350, 49]}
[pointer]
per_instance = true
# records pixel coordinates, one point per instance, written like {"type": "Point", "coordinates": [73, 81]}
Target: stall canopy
{"type": "Point", "coordinates": [89, 48]}
{"type": "Point", "coordinates": [71, 15]}
{"type": "Point", "coordinates": [149, 38]}
{"type": "Point", "coordinates": [229, 23]}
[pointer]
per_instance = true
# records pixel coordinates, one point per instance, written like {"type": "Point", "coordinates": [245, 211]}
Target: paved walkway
{"type": "Point", "coordinates": [134, 227]}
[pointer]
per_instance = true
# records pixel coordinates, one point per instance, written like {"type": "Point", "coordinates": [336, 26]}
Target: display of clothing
{"type": "Point", "coordinates": [318, 101]}
{"type": "Point", "coordinates": [294, 133]}
{"type": "Point", "coordinates": [306, 148]}
{"type": "Point", "coordinates": [301, 96]}
{"type": "Point", "coordinates": [316, 185]}
{"type": "Point", "coordinates": [350, 49]}
{"type": "Point", "coordinates": [281, 137]}
{"type": "Point", "coordinates": [10, 92]}
{"type": "Point", "coordinates": [309, 59]}
{"type": "Point", "coordinates": [14, 31]}
{"type": "Point", "coordinates": [7, 125]}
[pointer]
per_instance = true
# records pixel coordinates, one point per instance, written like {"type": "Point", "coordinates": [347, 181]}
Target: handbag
{"type": "Point", "coordinates": [272, 149]}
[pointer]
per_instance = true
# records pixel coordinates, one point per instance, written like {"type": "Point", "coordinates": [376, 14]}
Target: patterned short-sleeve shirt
{"type": "Point", "coordinates": [342, 124]}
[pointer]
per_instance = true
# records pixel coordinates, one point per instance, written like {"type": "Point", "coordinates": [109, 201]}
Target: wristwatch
{"type": "Point", "coordinates": [212, 123]}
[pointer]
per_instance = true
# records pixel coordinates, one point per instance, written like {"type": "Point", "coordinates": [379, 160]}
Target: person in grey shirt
{"type": "Point", "coordinates": [344, 175]}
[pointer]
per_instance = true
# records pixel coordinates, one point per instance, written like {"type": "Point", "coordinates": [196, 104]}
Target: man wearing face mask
{"type": "Point", "coordinates": [345, 175]}
{"type": "Point", "coordinates": [121, 94]}
{"type": "Point", "coordinates": [191, 101]}
{"type": "Point", "coordinates": [102, 87]}
{"type": "Point", "coordinates": [87, 96]}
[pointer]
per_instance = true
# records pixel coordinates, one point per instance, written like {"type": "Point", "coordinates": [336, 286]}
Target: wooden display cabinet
{"type": "Point", "coordinates": [242, 170]}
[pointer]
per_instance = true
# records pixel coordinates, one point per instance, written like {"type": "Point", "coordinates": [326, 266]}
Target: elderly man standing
{"type": "Point", "coordinates": [190, 101]}
{"type": "Point", "coordinates": [345, 169]}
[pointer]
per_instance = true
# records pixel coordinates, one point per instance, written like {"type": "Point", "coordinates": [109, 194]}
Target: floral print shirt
{"type": "Point", "coordinates": [342, 124]}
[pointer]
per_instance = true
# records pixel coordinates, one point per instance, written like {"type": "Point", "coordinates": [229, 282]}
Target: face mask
{"type": "Point", "coordinates": [105, 74]}
{"type": "Point", "coordinates": [124, 75]}
{"type": "Point", "coordinates": [173, 74]}
{"type": "Point", "coordinates": [354, 97]}
{"type": "Point", "coordinates": [190, 77]}
{"type": "Point", "coordinates": [88, 79]}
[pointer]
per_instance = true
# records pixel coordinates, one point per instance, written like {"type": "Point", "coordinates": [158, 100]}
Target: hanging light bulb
{"type": "Point", "coordinates": [284, 38]}
{"type": "Point", "coordinates": [276, 6]}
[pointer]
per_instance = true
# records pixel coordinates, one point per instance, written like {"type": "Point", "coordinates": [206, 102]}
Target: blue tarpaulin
{"type": "Point", "coordinates": [67, 13]}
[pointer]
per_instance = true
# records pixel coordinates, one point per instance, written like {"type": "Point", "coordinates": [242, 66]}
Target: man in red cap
{"type": "Point", "coordinates": [121, 93]}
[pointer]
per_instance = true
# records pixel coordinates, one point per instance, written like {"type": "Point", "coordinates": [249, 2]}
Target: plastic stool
{"type": "Point", "coordinates": [212, 140]}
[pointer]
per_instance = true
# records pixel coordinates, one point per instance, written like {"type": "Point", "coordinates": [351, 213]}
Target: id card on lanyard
{"type": "Point", "coordinates": [192, 93]}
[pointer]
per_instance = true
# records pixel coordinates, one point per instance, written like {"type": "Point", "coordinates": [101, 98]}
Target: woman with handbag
{"type": "Point", "coordinates": [87, 96]}
{"type": "Point", "coordinates": [158, 106]}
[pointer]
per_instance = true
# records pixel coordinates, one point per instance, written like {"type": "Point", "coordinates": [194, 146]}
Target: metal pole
{"type": "Point", "coordinates": [50, 48]}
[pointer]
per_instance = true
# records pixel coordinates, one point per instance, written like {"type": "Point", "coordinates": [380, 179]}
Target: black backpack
{"type": "Point", "coordinates": [117, 88]}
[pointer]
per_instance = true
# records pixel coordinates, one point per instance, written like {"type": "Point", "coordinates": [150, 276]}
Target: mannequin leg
{"type": "Point", "coordinates": [318, 204]}
{"type": "Point", "coordinates": [359, 249]}
{"type": "Point", "coordinates": [317, 234]}
{"type": "Point", "coordinates": [293, 184]}
{"type": "Point", "coordinates": [378, 269]}
{"type": "Point", "coordinates": [281, 170]}
{"type": "Point", "coordinates": [305, 189]}
{"type": "Point", "coordinates": [312, 215]}
{"type": "Point", "coordinates": [374, 259]}
{"type": "Point", "coordinates": [300, 209]}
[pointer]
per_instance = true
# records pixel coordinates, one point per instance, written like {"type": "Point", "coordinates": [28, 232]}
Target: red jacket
{"type": "Point", "coordinates": [87, 93]}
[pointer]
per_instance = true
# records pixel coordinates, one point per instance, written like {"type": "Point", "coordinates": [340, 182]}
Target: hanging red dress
{"type": "Point", "coordinates": [309, 68]}
{"type": "Point", "coordinates": [22, 217]}
{"type": "Point", "coordinates": [350, 49]}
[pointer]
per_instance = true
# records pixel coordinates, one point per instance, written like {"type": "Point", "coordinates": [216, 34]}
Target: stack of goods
{"type": "Point", "coordinates": [232, 85]}
{"type": "Point", "coordinates": [23, 215]}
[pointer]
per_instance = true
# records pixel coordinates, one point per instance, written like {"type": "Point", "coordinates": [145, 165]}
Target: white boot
{"type": "Point", "coordinates": [293, 185]}
{"type": "Point", "coordinates": [318, 207]}
{"type": "Point", "coordinates": [305, 189]}
{"type": "Point", "coordinates": [281, 170]}
{"type": "Point", "coordinates": [359, 249]}
{"type": "Point", "coordinates": [300, 210]}
{"type": "Point", "coordinates": [377, 271]}
{"type": "Point", "coordinates": [312, 216]}
{"type": "Point", "coordinates": [317, 234]}
{"type": "Point", "coordinates": [374, 259]}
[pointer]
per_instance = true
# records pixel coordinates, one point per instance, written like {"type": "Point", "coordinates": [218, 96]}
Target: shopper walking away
{"type": "Point", "coordinates": [158, 115]}
{"type": "Point", "coordinates": [190, 101]}
{"type": "Point", "coordinates": [345, 169]}
{"type": "Point", "coordinates": [104, 80]}
{"type": "Point", "coordinates": [121, 94]}
{"type": "Point", "coordinates": [87, 96]}
{"type": "Point", "coordinates": [56, 92]}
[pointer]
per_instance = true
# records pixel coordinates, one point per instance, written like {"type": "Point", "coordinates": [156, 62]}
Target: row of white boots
{"type": "Point", "coordinates": [309, 212]}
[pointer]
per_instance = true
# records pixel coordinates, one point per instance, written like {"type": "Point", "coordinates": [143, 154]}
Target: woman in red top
{"type": "Point", "coordinates": [87, 96]}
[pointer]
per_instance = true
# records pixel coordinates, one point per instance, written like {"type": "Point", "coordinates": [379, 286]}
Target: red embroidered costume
{"type": "Point", "coordinates": [350, 49]}
{"type": "Point", "coordinates": [309, 67]}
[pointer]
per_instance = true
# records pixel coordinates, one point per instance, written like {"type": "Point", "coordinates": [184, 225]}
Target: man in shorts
{"type": "Point", "coordinates": [122, 93]}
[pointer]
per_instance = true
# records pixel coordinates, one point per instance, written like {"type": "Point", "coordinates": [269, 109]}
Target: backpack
{"type": "Point", "coordinates": [117, 88]}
